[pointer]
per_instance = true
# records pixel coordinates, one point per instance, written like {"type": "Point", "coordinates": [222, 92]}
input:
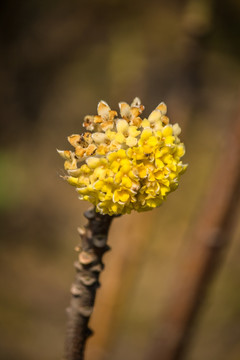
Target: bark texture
{"type": "Point", "coordinates": [88, 267]}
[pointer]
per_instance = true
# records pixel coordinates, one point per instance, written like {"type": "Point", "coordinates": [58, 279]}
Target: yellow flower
{"type": "Point", "coordinates": [125, 163]}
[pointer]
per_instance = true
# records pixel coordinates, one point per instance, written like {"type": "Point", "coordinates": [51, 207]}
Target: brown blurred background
{"type": "Point", "coordinates": [58, 59]}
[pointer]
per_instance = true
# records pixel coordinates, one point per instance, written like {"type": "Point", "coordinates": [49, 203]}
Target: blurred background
{"type": "Point", "coordinates": [58, 59]}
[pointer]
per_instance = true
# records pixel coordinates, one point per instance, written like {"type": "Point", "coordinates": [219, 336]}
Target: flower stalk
{"type": "Point", "coordinates": [88, 268]}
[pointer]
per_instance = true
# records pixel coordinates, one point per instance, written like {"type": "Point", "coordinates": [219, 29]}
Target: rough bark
{"type": "Point", "coordinates": [88, 267]}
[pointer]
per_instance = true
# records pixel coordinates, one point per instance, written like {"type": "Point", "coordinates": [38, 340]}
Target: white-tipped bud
{"type": "Point", "coordinates": [124, 110]}
{"type": "Point", "coordinates": [99, 138]}
{"type": "Point", "coordinates": [155, 116]}
{"type": "Point", "coordinates": [162, 107]}
{"type": "Point", "coordinates": [122, 126]}
{"type": "Point", "coordinates": [75, 172]}
{"type": "Point", "coordinates": [136, 102]}
{"type": "Point", "coordinates": [65, 154]}
{"type": "Point", "coordinates": [93, 162]}
{"type": "Point", "coordinates": [103, 109]}
{"type": "Point", "coordinates": [176, 129]}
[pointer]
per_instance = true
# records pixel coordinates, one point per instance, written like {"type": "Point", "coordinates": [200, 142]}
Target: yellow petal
{"type": "Point", "coordinates": [85, 169]}
{"type": "Point", "coordinates": [120, 138]}
{"type": "Point", "coordinates": [131, 141]}
{"type": "Point", "coordinates": [133, 131]}
{"type": "Point", "coordinates": [83, 190]}
{"type": "Point", "coordinates": [159, 175]}
{"type": "Point", "coordinates": [125, 168]}
{"type": "Point", "coordinates": [107, 188]}
{"type": "Point", "coordinates": [123, 196]}
{"type": "Point", "coordinates": [148, 149]}
{"type": "Point", "coordinates": [98, 185]}
{"type": "Point", "coordinates": [72, 180]}
{"type": "Point", "coordinates": [118, 178]}
{"type": "Point", "coordinates": [167, 130]}
{"type": "Point", "coordinates": [120, 195]}
{"type": "Point", "coordinates": [180, 150]}
{"type": "Point", "coordinates": [142, 171]}
{"type": "Point", "coordinates": [167, 159]}
{"type": "Point", "coordinates": [121, 154]}
{"type": "Point", "coordinates": [114, 208]}
{"type": "Point", "coordinates": [112, 156]}
{"type": "Point", "coordinates": [151, 176]}
{"type": "Point", "coordinates": [146, 134]}
{"type": "Point", "coordinates": [115, 166]}
{"type": "Point", "coordinates": [159, 164]}
{"type": "Point", "coordinates": [145, 123]}
{"type": "Point", "coordinates": [165, 182]}
{"type": "Point", "coordinates": [100, 173]}
{"type": "Point", "coordinates": [152, 141]}
{"type": "Point", "coordinates": [164, 190]}
{"type": "Point", "coordinates": [139, 154]}
{"type": "Point", "coordinates": [159, 153]}
{"type": "Point", "coordinates": [169, 140]}
{"type": "Point", "coordinates": [126, 182]}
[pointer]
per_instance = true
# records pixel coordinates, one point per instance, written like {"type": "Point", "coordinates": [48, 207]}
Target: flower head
{"type": "Point", "coordinates": [124, 163]}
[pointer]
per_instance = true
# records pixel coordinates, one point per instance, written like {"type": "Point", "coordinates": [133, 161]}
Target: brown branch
{"type": "Point", "coordinates": [124, 263]}
{"type": "Point", "coordinates": [203, 254]}
{"type": "Point", "coordinates": [88, 267]}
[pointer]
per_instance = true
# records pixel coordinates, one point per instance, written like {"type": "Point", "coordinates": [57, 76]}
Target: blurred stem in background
{"type": "Point", "coordinates": [186, 92]}
{"type": "Point", "coordinates": [203, 256]}
{"type": "Point", "coordinates": [88, 267]}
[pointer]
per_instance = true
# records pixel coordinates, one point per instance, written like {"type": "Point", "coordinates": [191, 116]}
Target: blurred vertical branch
{"type": "Point", "coordinates": [185, 95]}
{"type": "Point", "coordinates": [203, 256]}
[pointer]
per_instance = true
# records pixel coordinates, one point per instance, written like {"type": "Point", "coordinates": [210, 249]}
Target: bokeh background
{"type": "Point", "coordinates": [58, 59]}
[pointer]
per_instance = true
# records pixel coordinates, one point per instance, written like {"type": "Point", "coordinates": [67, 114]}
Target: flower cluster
{"type": "Point", "coordinates": [125, 163]}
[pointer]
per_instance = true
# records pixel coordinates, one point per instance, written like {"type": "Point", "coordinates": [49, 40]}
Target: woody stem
{"type": "Point", "coordinates": [88, 268]}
